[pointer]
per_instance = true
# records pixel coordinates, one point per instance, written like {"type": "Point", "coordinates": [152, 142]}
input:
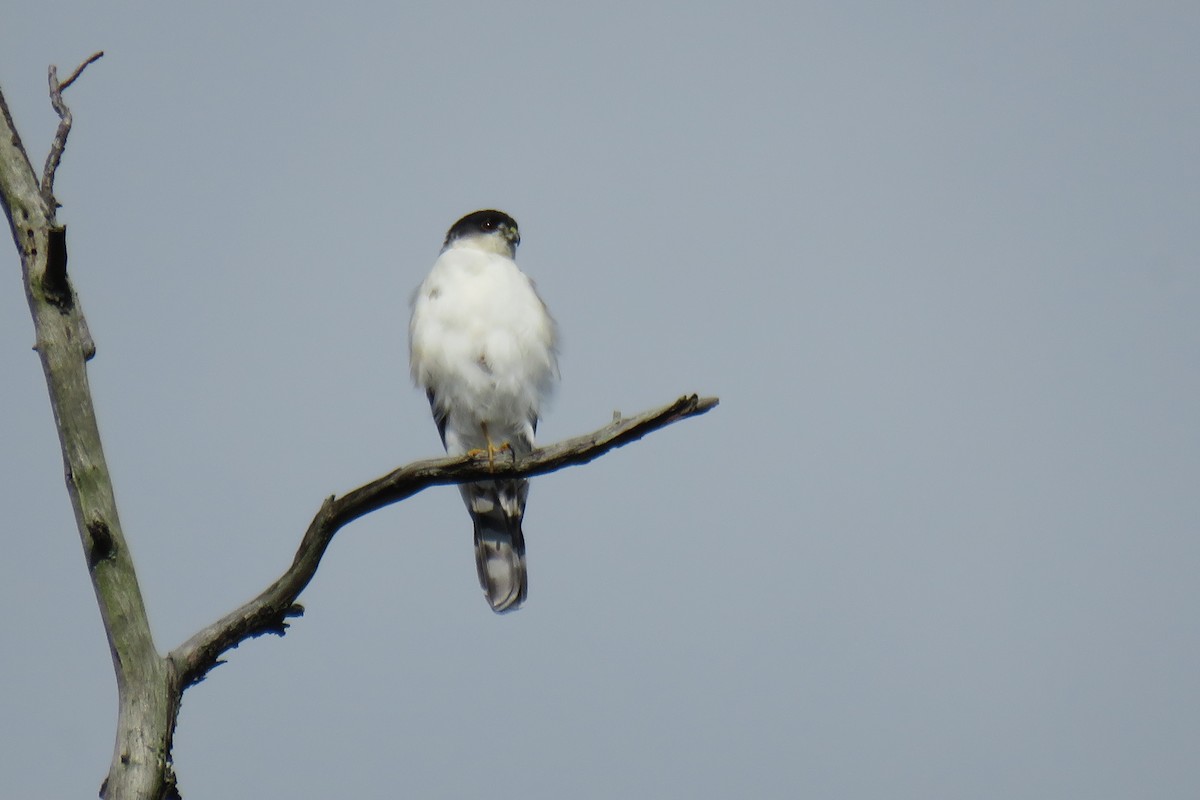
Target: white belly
{"type": "Point", "coordinates": [482, 341]}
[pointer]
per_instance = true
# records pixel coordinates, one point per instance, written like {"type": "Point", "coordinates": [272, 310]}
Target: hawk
{"type": "Point", "coordinates": [483, 347]}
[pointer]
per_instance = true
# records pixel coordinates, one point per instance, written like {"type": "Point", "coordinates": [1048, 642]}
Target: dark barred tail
{"type": "Point", "coordinates": [496, 509]}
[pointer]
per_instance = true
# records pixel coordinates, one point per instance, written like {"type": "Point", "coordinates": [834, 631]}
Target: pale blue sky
{"type": "Point", "coordinates": [940, 263]}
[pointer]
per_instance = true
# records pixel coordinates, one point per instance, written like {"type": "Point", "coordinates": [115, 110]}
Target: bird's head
{"type": "Point", "coordinates": [490, 230]}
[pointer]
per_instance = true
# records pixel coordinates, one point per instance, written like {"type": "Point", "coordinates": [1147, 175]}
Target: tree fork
{"type": "Point", "coordinates": [150, 686]}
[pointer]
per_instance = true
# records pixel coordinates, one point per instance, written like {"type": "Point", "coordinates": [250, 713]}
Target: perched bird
{"type": "Point", "coordinates": [483, 346]}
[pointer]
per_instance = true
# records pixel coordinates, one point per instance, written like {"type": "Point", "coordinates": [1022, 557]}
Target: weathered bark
{"type": "Point", "coordinates": [268, 612]}
{"type": "Point", "coordinates": [144, 679]}
{"type": "Point", "coordinates": [150, 686]}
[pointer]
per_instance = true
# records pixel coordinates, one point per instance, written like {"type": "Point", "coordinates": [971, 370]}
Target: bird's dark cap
{"type": "Point", "coordinates": [485, 222]}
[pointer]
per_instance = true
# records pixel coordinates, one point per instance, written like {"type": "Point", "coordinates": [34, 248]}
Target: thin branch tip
{"type": "Point", "coordinates": [64, 128]}
{"type": "Point", "coordinates": [96, 56]}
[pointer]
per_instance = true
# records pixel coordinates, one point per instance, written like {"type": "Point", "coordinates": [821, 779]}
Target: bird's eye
{"type": "Point", "coordinates": [488, 224]}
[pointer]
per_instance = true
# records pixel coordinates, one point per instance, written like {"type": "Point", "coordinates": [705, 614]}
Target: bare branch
{"type": "Point", "coordinates": [79, 70]}
{"type": "Point", "coordinates": [268, 612]}
{"type": "Point", "coordinates": [64, 125]}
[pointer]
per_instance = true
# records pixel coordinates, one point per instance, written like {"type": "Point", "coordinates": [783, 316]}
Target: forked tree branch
{"type": "Point", "coordinates": [268, 612]}
{"type": "Point", "coordinates": [150, 686]}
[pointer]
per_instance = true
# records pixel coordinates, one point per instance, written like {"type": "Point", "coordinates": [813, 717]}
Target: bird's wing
{"type": "Point", "coordinates": [440, 414]}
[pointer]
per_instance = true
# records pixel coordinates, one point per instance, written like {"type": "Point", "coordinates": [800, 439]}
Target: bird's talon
{"type": "Point", "coordinates": [494, 449]}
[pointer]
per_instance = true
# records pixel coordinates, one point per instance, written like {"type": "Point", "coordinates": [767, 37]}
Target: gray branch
{"type": "Point", "coordinates": [59, 145]}
{"type": "Point", "coordinates": [268, 613]}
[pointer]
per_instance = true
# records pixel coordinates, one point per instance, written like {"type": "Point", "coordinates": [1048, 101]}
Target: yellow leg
{"type": "Point", "coordinates": [492, 448]}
